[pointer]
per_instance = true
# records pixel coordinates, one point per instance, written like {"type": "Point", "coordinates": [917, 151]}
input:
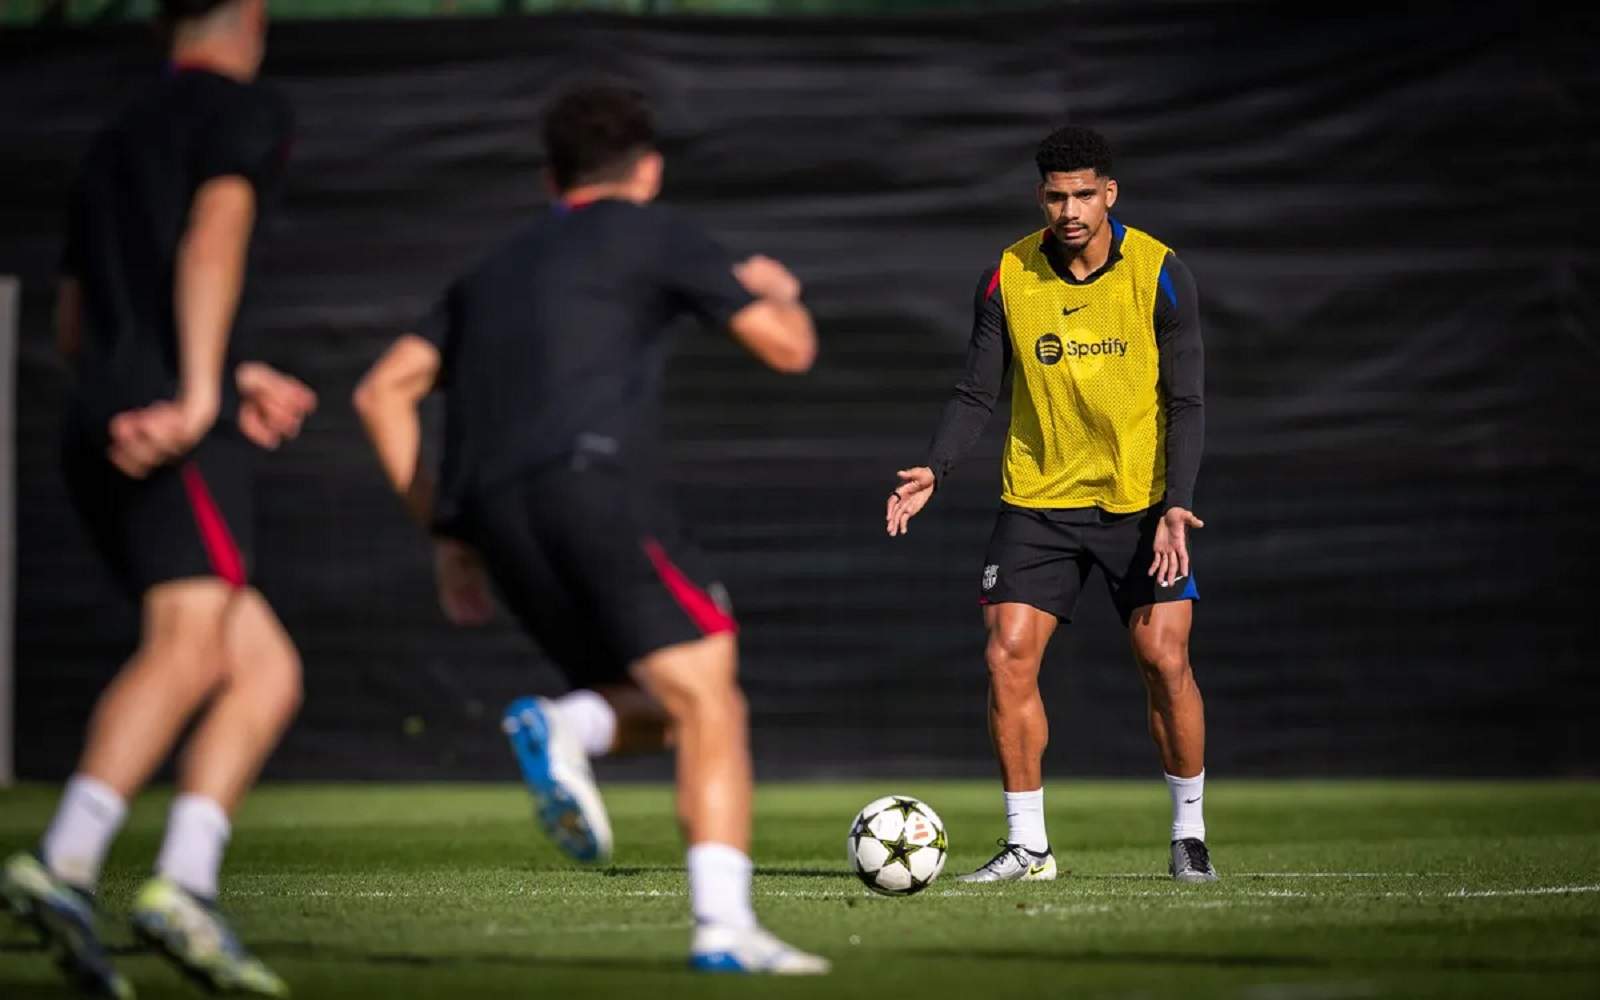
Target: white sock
{"type": "Point", "coordinates": [89, 816]}
{"type": "Point", "coordinates": [1188, 806]}
{"type": "Point", "coordinates": [719, 885]}
{"type": "Point", "coordinates": [191, 854]}
{"type": "Point", "coordinates": [592, 718]}
{"type": "Point", "coordinates": [1025, 817]}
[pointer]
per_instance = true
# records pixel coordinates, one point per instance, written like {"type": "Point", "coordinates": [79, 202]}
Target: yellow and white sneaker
{"type": "Point", "coordinates": [190, 932]}
{"type": "Point", "coordinates": [1015, 863]}
{"type": "Point", "coordinates": [64, 917]}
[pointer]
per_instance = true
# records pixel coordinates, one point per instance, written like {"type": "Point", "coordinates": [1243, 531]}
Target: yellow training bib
{"type": "Point", "coordinates": [1088, 428]}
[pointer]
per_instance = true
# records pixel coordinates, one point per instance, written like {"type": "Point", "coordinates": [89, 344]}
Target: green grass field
{"type": "Point", "coordinates": [1330, 889]}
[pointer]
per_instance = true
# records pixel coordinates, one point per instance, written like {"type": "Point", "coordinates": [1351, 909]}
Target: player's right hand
{"type": "Point", "coordinates": [913, 494]}
{"type": "Point", "coordinates": [151, 436]}
{"type": "Point", "coordinates": [765, 278]}
{"type": "Point", "coordinates": [464, 593]}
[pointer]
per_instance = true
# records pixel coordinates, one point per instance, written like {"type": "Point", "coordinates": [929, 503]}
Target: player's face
{"type": "Point", "coordinates": [1076, 204]}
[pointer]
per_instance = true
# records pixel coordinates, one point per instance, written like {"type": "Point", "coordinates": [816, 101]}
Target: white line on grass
{"type": "Point", "coordinates": [1173, 894]}
{"type": "Point", "coordinates": [1554, 890]}
{"type": "Point", "coordinates": [1157, 875]}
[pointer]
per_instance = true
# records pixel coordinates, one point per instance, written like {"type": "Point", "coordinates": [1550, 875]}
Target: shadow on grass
{"type": "Point", "coordinates": [20, 988]}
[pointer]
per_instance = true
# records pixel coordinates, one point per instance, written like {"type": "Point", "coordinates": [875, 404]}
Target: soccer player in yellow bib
{"type": "Point", "coordinates": [1100, 323]}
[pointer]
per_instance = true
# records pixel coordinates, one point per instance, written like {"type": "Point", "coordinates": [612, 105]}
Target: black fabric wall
{"type": "Point", "coordinates": [1390, 212]}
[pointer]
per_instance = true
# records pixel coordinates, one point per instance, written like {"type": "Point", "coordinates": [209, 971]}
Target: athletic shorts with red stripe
{"type": "Point", "coordinates": [595, 565]}
{"type": "Point", "coordinates": [190, 519]}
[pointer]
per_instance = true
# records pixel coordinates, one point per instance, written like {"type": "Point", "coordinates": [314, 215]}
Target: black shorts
{"type": "Point", "coordinates": [593, 563]}
{"type": "Point", "coordinates": [193, 518]}
{"type": "Point", "coordinates": [1043, 558]}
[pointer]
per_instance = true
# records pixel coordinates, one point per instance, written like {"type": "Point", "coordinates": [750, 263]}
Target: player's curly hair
{"type": "Point", "coordinates": [1074, 148]}
{"type": "Point", "coordinates": [595, 131]}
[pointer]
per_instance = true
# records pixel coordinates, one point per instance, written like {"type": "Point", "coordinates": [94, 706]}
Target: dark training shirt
{"type": "Point", "coordinates": [129, 210]}
{"type": "Point", "coordinates": [557, 342]}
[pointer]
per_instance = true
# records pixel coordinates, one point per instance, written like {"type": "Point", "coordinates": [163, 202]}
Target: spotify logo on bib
{"type": "Point", "coordinates": [1048, 349]}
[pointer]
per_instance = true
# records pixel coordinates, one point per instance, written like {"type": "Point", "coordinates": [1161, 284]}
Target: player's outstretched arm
{"type": "Point", "coordinates": [969, 408]}
{"type": "Point", "coordinates": [777, 327]}
{"type": "Point", "coordinates": [386, 400]}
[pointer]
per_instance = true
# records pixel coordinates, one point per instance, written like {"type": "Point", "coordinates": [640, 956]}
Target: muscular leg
{"type": "Point", "coordinates": [179, 663]}
{"type": "Point", "coordinates": [259, 696]}
{"type": "Point", "coordinates": [1160, 638]}
{"type": "Point", "coordinates": [697, 684]}
{"type": "Point", "coordinates": [1018, 634]}
{"type": "Point", "coordinates": [1018, 728]}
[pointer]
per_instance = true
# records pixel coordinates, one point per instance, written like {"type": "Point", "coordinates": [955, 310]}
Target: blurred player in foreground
{"type": "Point", "coordinates": [160, 440]}
{"type": "Point", "coordinates": [550, 356]}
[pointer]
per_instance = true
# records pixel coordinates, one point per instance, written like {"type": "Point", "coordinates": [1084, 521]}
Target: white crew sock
{"type": "Point", "coordinates": [592, 718]}
{"type": "Point", "coordinates": [191, 854]}
{"type": "Point", "coordinates": [89, 816]}
{"type": "Point", "coordinates": [1188, 806]}
{"type": "Point", "coordinates": [1025, 818]}
{"type": "Point", "coordinates": [719, 886]}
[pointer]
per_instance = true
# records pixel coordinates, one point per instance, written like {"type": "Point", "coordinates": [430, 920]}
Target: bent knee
{"type": "Point", "coordinates": [1012, 660]}
{"type": "Point", "coordinates": [192, 667]}
{"type": "Point", "coordinates": [704, 700]}
{"type": "Point", "coordinates": [1167, 666]}
{"type": "Point", "coordinates": [262, 657]}
{"type": "Point", "coordinates": [694, 679]}
{"type": "Point", "coordinates": [287, 683]}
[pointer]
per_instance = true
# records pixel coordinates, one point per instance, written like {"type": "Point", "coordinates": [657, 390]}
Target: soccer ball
{"type": "Point", "coordinates": [897, 845]}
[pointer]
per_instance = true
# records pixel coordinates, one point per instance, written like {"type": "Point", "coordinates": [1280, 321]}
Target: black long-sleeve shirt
{"type": "Point", "coordinates": [1176, 321]}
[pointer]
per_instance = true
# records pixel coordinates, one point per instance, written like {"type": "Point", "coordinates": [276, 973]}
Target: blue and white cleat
{"type": "Point", "coordinates": [556, 771]}
{"type": "Point", "coordinates": [65, 919]}
{"type": "Point", "coordinates": [750, 951]}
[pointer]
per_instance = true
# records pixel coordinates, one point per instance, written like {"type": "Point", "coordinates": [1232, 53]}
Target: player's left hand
{"type": "Point", "coordinates": [464, 593]}
{"type": "Point", "coordinates": [1171, 563]}
{"type": "Point", "coordinates": [272, 405]}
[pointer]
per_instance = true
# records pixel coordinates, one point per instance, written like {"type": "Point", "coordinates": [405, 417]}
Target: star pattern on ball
{"type": "Point", "coordinates": [905, 807]}
{"type": "Point", "coordinates": [900, 850]}
{"type": "Point", "coordinates": [861, 829]}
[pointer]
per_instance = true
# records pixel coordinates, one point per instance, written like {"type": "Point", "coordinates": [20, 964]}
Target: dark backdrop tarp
{"type": "Point", "coordinates": [1390, 212]}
